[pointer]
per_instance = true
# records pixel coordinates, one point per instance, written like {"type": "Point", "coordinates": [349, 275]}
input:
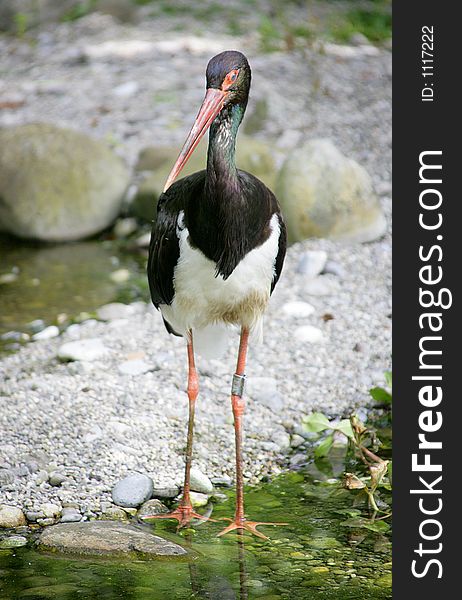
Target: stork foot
{"type": "Point", "coordinates": [250, 526]}
{"type": "Point", "coordinates": [184, 514]}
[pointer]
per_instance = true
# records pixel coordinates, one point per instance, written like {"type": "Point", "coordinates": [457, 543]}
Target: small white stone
{"type": "Point", "coordinates": [50, 510]}
{"type": "Point", "coordinates": [126, 90]}
{"type": "Point", "coordinates": [308, 333]}
{"type": "Point", "coordinates": [86, 350]}
{"type": "Point", "coordinates": [199, 482]}
{"type": "Point", "coordinates": [134, 367]}
{"type": "Point", "coordinates": [298, 309]}
{"type": "Point", "coordinates": [46, 334]}
{"type": "Point", "coordinates": [312, 263]}
{"type": "Point", "coordinates": [114, 310]}
{"type": "Point", "coordinates": [321, 286]}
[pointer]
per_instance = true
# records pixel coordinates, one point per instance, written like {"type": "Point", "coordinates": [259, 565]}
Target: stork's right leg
{"type": "Point", "coordinates": [184, 513]}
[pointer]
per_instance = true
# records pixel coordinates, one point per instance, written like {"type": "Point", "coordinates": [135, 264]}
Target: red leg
{"type": "Point", "coordinates": [238, 404]}
{"type": "Point", "coordinates": [184, 513]}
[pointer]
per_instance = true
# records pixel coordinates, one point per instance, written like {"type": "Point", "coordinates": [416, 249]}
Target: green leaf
{"type": "Point", "coordinates": [388, 379]}
{"type": "Point", "coordinates": [381, 395]}
{"type": "Point", "coordinates": [361, 523]}
{"type": "Point", "coordinates": [345, 427]}
{"type": "Point", "coordinates": [324, 446]}
{"type": "Point", "coordinates": [316, 422]}
{"type": "Point", "coordinates": [390, 472]}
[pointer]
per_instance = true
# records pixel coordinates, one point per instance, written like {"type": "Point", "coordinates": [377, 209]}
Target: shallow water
{"type": "Point", "coordinates": [314, 556]}
{"type": "Point", "coordinates": [57, 282]}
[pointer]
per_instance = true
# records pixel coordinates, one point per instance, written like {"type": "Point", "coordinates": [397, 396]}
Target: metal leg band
{"type": "Point", "coordinates": [237, 388]}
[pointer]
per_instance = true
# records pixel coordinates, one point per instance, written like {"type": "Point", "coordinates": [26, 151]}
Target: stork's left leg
{"type": "Point", "coordinates": [238, 404]}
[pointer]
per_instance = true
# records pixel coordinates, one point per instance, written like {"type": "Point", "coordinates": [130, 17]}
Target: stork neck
{"type": "Point", "coordinates": [221, 166]}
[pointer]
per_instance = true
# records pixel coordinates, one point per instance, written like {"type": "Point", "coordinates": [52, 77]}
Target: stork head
{"type": "Point", "coordinates": [228, 82]}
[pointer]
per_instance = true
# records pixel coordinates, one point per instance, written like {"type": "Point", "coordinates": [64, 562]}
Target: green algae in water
{"type": "Point", "coordinates": [313, 557]}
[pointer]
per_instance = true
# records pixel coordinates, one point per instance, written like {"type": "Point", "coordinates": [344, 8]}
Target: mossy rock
{"type": "Point", "coordinates": [325, 194]}
{"type": "Point", "coordinates": [57, 184]}
{"type": "Point", "coordinates": [251, 155]}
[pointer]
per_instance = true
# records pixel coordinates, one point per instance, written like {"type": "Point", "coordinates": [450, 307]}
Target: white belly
{"type": "Point", "coordinates": [203, 299]}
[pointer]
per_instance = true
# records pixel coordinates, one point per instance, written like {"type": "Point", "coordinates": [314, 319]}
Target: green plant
{"type": "Point", "coordinates": [361, 439]}
{"type": "Point", "coordinates": [21, 22]}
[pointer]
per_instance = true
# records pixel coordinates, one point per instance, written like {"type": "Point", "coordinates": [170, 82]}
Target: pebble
{"type": "Point", "coordinates": [321, 286]}
{"type": "Point", "coordinates": [150, 508]}
{"type": "Point", "coordinates": [13, 541]}
{"type": "Point", "coordinates": [311, 263]}
{"type": "Point", "coordinates": [166, 493]}
{"type": "Point", "coordinates": [34, 515]}
{"type": "Point", "coordinates": [134, 367]}
{"type": "Point", "coordinates": [199, 482]}
{"type": "Point", "coordinates": [70, 515]}
{"type": "Point", "coordinates": [120, 276]}
{"type": "Point", "coordinates": [298, 309]}
{"type": "Point", "coordinates": [264, 390]}
{"type": "Point", "coordinates": [89, 349]}
{"type": "Point", "coordinates": [308, 333]}
{"type": "Point", "coordinates": [50, 510]}
{"type": "Point", "coordinates": [334, 268]}
{"type": "Point", "coordinates": [132, 491]}
{"type": "Point", "coordinates": [11, 516]}
{"type": "Point", "coordinates": [6, 476]}
{"type": "Point", "coordinates": [56, 478]}
{"type": "Point", "coordinates": [46, 334]}
{"type": "Point", "coordinates": [114, 513]}
{"type": "Point", "coordinates": [114, 310]}
{"type": "Point", "coordinates": [144, 240]}
{"type": "Point", "coordinates": [296, 440]}
{"type": "Point", "coordinates": [222, 481]}
{"type": "Point", "coordinates": [198, 499]}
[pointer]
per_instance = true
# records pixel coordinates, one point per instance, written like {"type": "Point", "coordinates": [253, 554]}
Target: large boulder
{"type": "Point", "coordinates": [251, 155]}
{"type": "Point", "coordinates": [57, 184]}
{"type": "Point", "coordinates": [325, 194]}
{"type": "Point", "coordinates": [106, 538]}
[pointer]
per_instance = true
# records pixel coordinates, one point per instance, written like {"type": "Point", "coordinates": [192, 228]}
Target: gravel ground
{"type": "Point", "coordinates": [94, 423]}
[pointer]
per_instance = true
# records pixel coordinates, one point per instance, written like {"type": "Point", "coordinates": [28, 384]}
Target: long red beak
{"type": "Point", "coordinates": [211, 106]}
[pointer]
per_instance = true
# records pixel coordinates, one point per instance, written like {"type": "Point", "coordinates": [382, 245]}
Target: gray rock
{"type": "Point", "coordinates": [70, 515]}
{"type": "Point", "coordinates": [334, 268]}
{"type": "Point", "coordinates": [46, 334]}
{"type": "Point", "coordinates": [57, 184]}
{"type": "Point", "coordinates": [264, 390]}
{"type": "Point", "coordinates": [222, 481]}
{"type": "Point", "coordinates": [325, 194]}
{"type": "Point", "coordinates": [114, 513]}
{"type": "Point", "coordinates": [311, 263]}
{"type": "Point", "coordinates": [47, 521]}
{"type": "Point", "coordinates": [166, 493]}
{"type": "Point", "coordinates": [296, 440]}
{"type": "Point", "coordinates": [6, 476]}
{"type": "Point", "coordinates": [132, 491]}
{"type": "Point", "coordinates": [106, 538]}
{"type": "Point", "coordinates": [13, 541]}
{"type": "Point", "coordinates": [199, 482]}
{"type": "Point", "coordinates": [56, 478]}
{"type": "Point", "coordinates": [50, 510]}
{"type": "Point", "coordinates": [34, 515]}
{"type": "Point", "coordinates": [11, 516]}
{"type": "Point", "coordinates": [89, 349]}
{"type": "Point", "coordinates": [41, 476]}
{"type": "Point", "coordinates": [150, 508]}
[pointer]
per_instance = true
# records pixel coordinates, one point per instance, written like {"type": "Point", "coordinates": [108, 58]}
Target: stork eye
{"type": "Point", "coordinates": [230, 78]}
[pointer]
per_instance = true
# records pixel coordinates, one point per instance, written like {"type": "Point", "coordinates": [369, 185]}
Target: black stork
{"type": "Point", "coordinates": [217, 249]}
